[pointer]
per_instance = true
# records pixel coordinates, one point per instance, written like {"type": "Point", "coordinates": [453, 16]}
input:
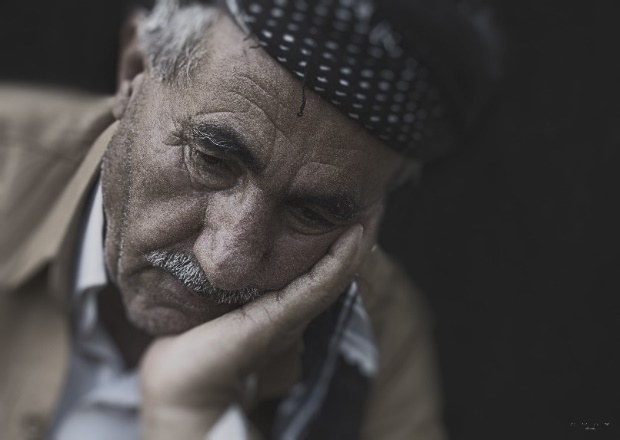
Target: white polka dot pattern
{"type": "Point", "coordinates": [350, 55]}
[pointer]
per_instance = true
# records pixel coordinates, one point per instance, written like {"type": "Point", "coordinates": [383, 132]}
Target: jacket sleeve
{"type": "Point", "coordinates": [405, 398]}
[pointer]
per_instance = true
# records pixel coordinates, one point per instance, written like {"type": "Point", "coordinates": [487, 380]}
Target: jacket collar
{"type": "Point", "coordinates": [61, 269]}
{"type": "Point", "coordinates": [55, 238]}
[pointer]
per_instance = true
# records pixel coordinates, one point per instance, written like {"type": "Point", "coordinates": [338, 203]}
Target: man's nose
{"type": "Point", "coordinates": [234, 240]}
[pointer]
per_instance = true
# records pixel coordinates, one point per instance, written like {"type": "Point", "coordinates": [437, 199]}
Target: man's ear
{"type": "Point", "coordinates": [131, 63]}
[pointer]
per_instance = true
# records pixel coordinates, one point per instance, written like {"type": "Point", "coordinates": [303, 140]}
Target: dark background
{"type": "Point", "coordinates": [515, 239]}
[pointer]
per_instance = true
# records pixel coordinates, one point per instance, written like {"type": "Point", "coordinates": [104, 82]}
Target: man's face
{"type": "Point", "coordinates": [216, 177]}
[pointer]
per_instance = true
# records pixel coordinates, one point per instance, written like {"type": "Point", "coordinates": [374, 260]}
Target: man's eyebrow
{"type": "Point", "coordinates": [342, 206]}
{"type": "Point", "coordinates": [226, 141]}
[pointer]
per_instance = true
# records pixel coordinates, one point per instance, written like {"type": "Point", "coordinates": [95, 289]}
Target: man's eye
{"type": "Point", "coordinates": [209, 159]}
{"type": "Point", "coordinates": [209, 170]}
{"type": "Point", "coordinates": [315, 217]}
{"type": "Point", "coordinates": [210, 163]}
{"type": "Point", "coordinates": [310, 221]}
{"type": "Point", "coordinates": [311, 215]}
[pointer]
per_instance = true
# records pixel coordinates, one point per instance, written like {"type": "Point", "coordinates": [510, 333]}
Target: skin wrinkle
{"type": "Point", "coordinates": [243, 230]}
{"type": "Point", "coordinates": [322, 164]}
{"type": "Point", "coordinates": [155, 226]}
{"type": "Point", "coordinates": [342, 207]}
{"type": "Point", "coordinates": [238, 149]}
{"type": "Point", "coordinates": [192, 232]}
{"type": "Point", "coordinates": [183, 157]}
{"type": "Point", "coordinates": [274, 99]}
{"type": "Point", "coordinates": [127, 200]}
{"type": "Point", "coordinates": [182, 163]}
{"type": "Point", "coordinates": [194, 185]}
{"type": "Point", "coordinates": [179, 143]}
{"type": "Point", "coordinates": [216, 113]}
{"type": "Point", "coordinates": [257, 106]}
{"type": "Point", "coordinates": [307, 169]}
{"type": "Point", "coordinates": [269, 118]}
{"type": "Point", "coordinates": [249, 142]}
{"type": "Point", "coordinates": [125, 209]}
{"type": "Point", "coordinates": [271, 99]}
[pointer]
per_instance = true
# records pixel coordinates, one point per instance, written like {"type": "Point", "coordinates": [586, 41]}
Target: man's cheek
{"type": "Point", "coordinates": [159, 168]}
{"type": "Point", "coordinates": [162, 223]}
{"type": "Point", "coordinates": [164, 209]}
{"type": "Point", "coordinates": [294, 255]}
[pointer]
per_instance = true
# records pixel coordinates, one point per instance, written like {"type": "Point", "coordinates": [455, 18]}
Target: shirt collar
{"type": "Point", "coordinates": [91, 271]}
{"type": "Point", "coordinates": [90, 275]}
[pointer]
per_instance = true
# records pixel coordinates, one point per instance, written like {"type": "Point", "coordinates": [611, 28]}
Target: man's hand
{"type": "Point", "coordinates": [187, 381]}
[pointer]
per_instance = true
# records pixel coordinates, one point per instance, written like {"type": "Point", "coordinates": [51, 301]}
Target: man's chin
{"type": "Point", "coordinates": [159, 305]}
{"type": "Point", "coordinates": [163, 320]}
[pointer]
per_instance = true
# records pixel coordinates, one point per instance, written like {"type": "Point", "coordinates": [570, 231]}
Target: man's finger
{"type": "Point", "coordinates": [307, 296]}
{"type": "Point", "coordinates": [329, 276]}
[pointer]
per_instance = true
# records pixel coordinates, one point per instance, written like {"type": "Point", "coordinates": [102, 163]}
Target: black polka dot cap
{"type": "Point", "coordinates": [349, 55]}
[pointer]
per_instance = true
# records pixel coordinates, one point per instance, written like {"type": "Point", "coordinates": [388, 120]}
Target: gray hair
{"type": "Point", "coordinates": [173, 31]}
{"type": "Point", "coordinates": [187, 270]}
{"type": "Point", "coordinates": [172, 34]}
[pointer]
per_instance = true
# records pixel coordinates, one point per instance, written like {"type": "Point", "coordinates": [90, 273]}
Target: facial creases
{"type": "Point", "coordinates": [215, 190]}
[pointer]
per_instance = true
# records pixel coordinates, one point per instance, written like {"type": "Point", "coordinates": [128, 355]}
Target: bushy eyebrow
{"type": "Point", "coordinates": [342, 206]}
{"type": "Point", "coordinates": [226, 141]}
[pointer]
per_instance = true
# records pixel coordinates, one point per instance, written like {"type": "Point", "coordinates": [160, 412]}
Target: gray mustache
{"type": "Point", "coordinates": [186, 269]}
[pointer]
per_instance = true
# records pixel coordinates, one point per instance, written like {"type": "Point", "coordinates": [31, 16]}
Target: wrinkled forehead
{"type": "Point", "coordinates": [239, 86]}
{"type": "Point", "coordinates": [349, 53]}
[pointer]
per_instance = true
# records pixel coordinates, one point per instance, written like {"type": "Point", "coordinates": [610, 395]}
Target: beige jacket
{"type": "Point", "coordinates": [51, 144]}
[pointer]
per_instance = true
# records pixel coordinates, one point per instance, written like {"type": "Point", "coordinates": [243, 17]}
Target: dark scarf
{"type": "Point", "coordinates": [339, 361]}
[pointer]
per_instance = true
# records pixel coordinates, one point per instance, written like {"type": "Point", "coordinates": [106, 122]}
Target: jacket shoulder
{"type": "Point", "coordinates": [405, 399]}
{"type": "Point", "coordinates": [44, 135]}
{"type": "Point", "coordinates": [56, 123]}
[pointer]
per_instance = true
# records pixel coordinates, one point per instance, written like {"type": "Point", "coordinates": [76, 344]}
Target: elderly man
{"type": "Point", "coordinates": [210, 233]}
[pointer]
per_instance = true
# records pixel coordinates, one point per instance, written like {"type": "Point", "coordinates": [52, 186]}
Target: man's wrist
{"type": "Point", "coordinates": [162, 421]}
